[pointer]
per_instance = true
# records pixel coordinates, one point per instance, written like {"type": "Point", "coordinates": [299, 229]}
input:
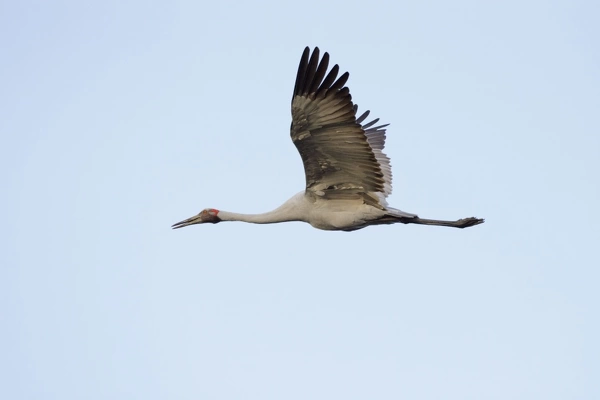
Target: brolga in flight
{"type": "Point", "coordinates": [348, 177]}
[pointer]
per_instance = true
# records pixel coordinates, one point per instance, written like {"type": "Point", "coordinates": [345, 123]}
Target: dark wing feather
{"type": "Point", "coordinates": [341, 158]}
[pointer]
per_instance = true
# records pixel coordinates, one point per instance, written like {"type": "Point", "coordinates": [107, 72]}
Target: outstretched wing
{"type": "Point", "coordinates": [342, 159]}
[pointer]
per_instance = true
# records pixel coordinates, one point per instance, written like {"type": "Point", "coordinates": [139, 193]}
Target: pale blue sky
{"type": "Point", "coordinates": [118, 120]}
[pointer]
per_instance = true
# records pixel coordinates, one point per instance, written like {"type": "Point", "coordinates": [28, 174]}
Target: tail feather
{"type": "Point", "coordinates": [399, 213]}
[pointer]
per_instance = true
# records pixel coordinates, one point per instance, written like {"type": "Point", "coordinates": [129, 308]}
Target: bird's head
{"type": "Point", "coordinates": [207, 215]}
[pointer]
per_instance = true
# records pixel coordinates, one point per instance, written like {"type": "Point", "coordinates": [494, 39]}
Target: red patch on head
{"type": "Point", "coordinates": [214, 211]}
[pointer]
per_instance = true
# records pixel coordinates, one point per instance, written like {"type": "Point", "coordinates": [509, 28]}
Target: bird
{"type": "Point", "coordinates": [348, 176]}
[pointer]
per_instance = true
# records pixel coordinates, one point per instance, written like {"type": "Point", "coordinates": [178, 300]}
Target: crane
{"type": "Point", "coordinates": [348, 177]}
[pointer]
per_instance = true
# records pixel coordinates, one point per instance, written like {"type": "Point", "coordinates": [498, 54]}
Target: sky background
{"type": "Point", "coordinates": [120, 118]}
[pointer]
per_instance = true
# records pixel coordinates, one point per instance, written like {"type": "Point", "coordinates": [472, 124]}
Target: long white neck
{"type": "Point", "coordinates": [291, 210]}
{"type": "Point", "coordinates": [271, 217]}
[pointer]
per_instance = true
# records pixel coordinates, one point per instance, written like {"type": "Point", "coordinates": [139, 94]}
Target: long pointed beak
{"type": "Point", "coordinates": [187, 222]}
